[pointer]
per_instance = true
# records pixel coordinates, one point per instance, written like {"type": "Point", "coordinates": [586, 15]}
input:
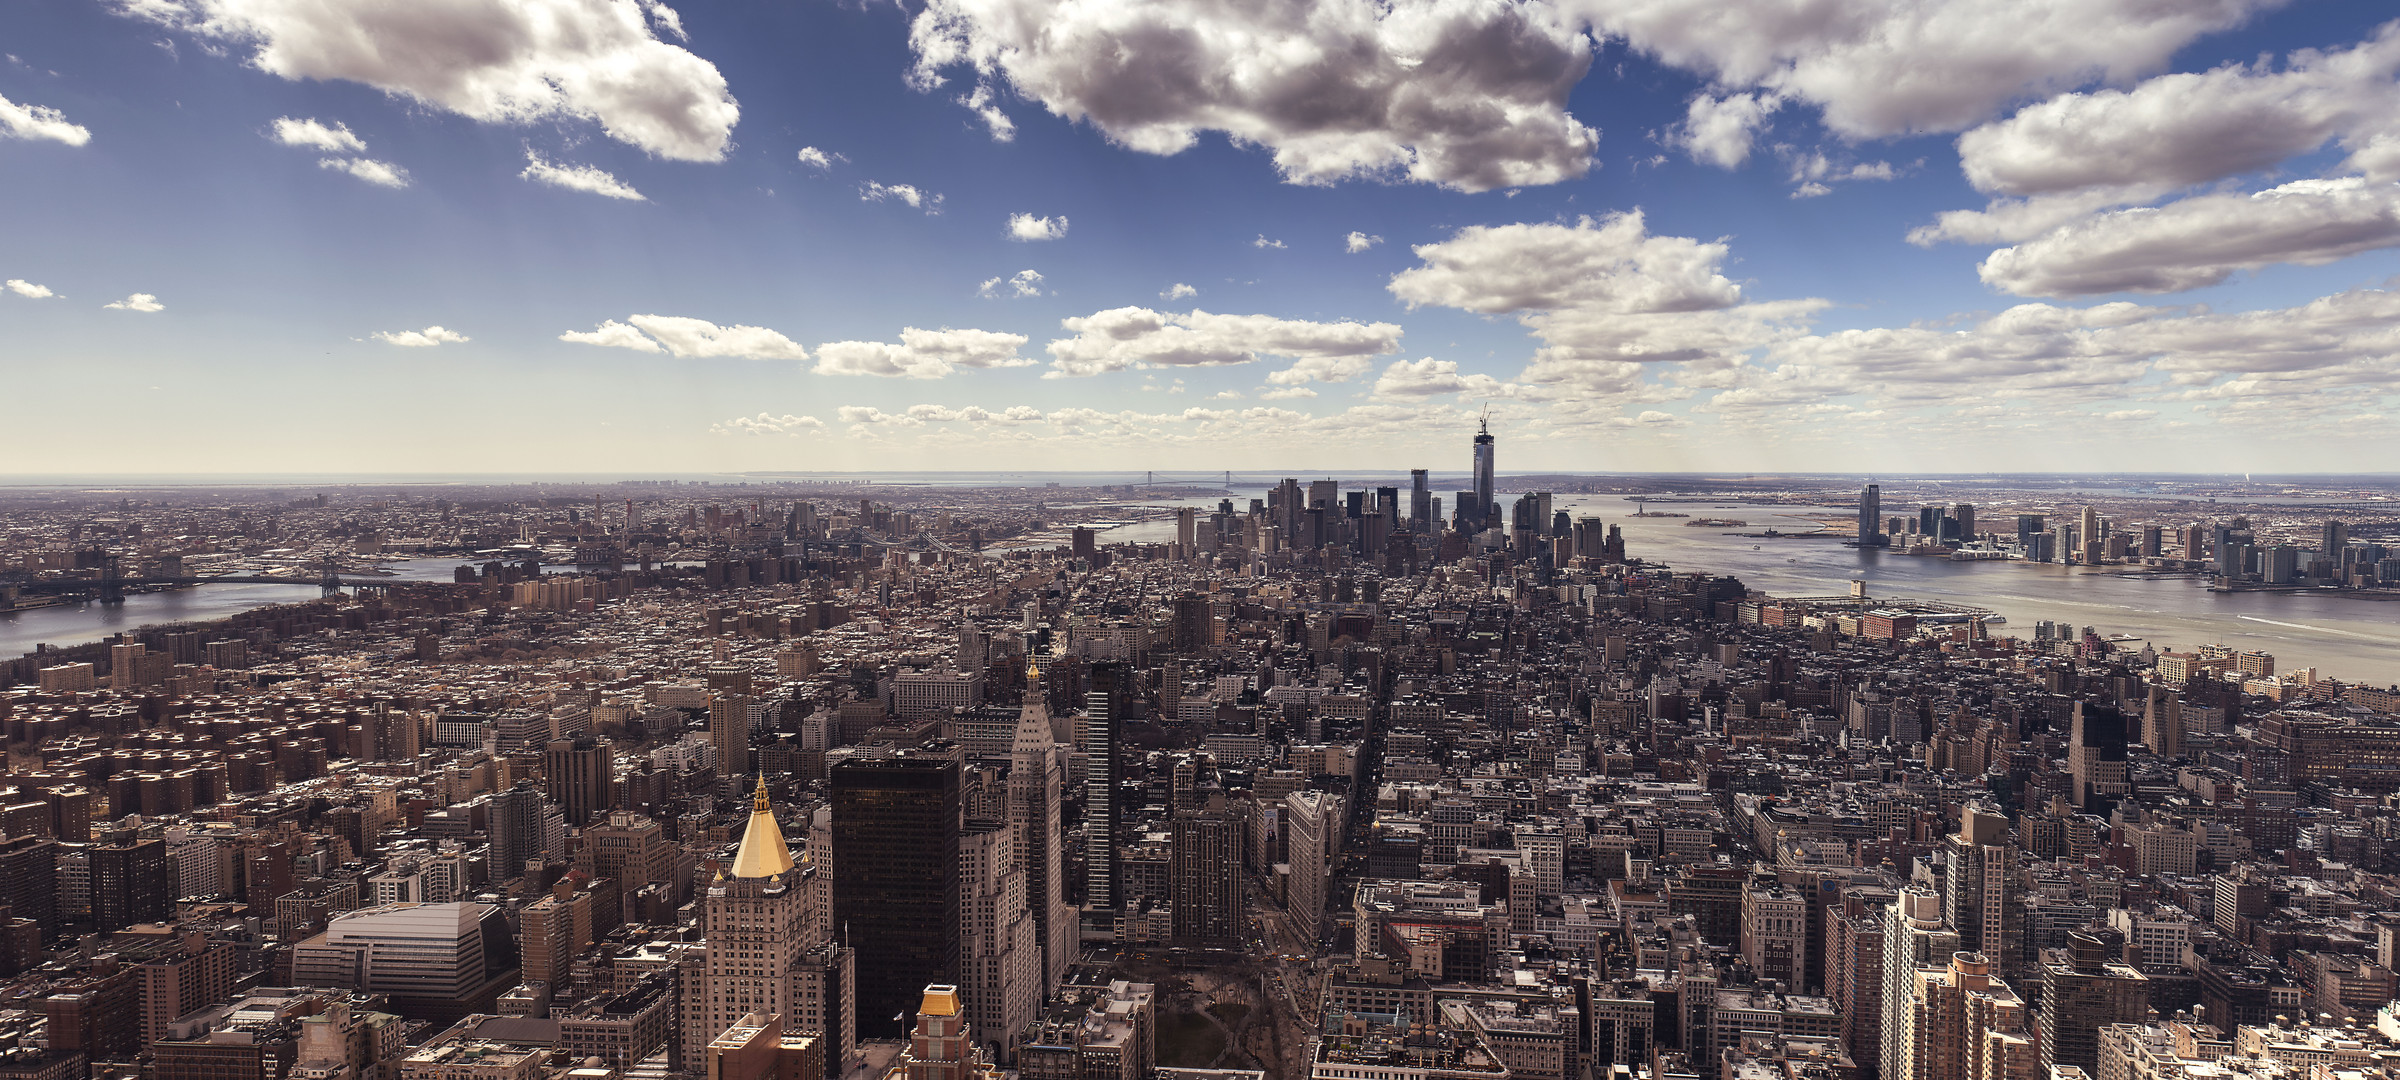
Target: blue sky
{"type": "Point", "coordinates": [1652, 235]}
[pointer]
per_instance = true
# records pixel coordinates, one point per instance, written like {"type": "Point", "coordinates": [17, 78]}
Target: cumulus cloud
{"type": "Point", "coordinates": [140, 301]}
{"type": "Point", "coordinates": [1263, 242]}
{"type": "Point", "coordinates": [379, 173]}
{"type": "Point", "coordinates": [1029, 227]}
{"type": "Point", "coordinates": [1358, 241]}
{"type": "Point", "coordinates": [922, 354]}
{"type": "Point", "coordinates": [820, 159]}
{"type": "Point", "coordinates": [1468, 95]}
{"type": "Point", "coordinates": [1431, 378]}
{"type": "Point", "coordinates": [918, 198]}
{"type": "Point", "coordinates": [315, 134]}
{"type": "Point", "coordinates": [613, 334]}
{"type": "Point", "coordinates": [1288, 393]}
{"type": "Point", "coordinates": [1878, 68]}
{"type": "Point", "coordinates": [40, 122]}
{"type": "Point", "coordinates": [586, 178]}
{"type": "Point", "coordinates": [1604, 296]}
{"type": "Point", "coordinates": [29, 290]}
{"type": "Point", "coordinates": [689, 338]}
{"type": "Point", "coordinates": [495, 61]}
{"type": "Point", "coordinates": [1177, 291]}
{"type": "Point", "coordinates": [1719, 130]}
{"type": "Point", "coordinates": [1322, 369]}
{"type": "Point", "coordinates": [1021, 284]}
{"type": "Point", "coordinates": [1128, 337]}
{"type": "Point", "coordinates": [768, 424]}
{"type": "Point", "coordinates": [2202, 240]}
{"type": "Point", "coordinates": [2286, 364]}
{"type": "Point", "coordinates": [427, 338]}
{"type": "Point", "coordinates": [2190, 128]}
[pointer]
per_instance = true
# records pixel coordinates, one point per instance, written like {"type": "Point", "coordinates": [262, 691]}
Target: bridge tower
{"type": "Point", "coordinates": [112, 581]}
{"type": "Point", "coordinates": [331, 583]}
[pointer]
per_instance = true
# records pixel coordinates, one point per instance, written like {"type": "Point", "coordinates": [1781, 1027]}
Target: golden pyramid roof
{"type": "Point", "coordinates": [763, 853]}
{"type": "Point", "coordinates": [940, 1000]}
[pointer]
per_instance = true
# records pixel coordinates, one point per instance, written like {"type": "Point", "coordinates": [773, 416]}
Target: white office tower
{"type": "Point", "coordinates": [999, 958]}
{"type": "Point", "coordinates": [1037, 780]}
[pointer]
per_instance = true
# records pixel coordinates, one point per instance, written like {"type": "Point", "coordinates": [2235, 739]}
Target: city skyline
{"type": "Point", "coordinates": [1684, 249]}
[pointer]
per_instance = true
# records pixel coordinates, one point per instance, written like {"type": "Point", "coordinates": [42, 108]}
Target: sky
{"type": "Point", "coordinates": [1192, 235]}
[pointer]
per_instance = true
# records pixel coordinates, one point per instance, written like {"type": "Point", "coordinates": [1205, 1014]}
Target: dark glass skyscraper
{"type": "Point", "coordinates": [895, 880]}
{"type": "Point", "coordinates": [1870, 516]}
{"type": "Point", "coordinates": [1480, 516]}
{"type": "Point", "coordinates": [1103, 725]}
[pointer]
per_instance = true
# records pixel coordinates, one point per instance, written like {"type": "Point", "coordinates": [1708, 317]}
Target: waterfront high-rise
{"type": "Point", "coordinates": [1870, 516]}
{"type": "Point", "coordinates": [896, 878]}
{"type": "Point", "coordinates": [1420, 500]}
{"type": "Point", "coordinates": [1480, 516]}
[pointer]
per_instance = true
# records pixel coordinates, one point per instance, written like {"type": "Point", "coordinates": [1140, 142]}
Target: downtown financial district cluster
{"type": "Point", "coordinates": [1431, 800]}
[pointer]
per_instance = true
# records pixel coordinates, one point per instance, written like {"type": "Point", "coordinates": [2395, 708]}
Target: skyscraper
{"type": "Point", "coordinates": [1000, 962]}
{"type": "Point", "coordinates": [1420, 501]}
{"type": "Point", "coordinates": [1983, 899]}
{"type": "Point", "coordinates": [1036, 794]}
{"type": "Point", "coordinates": [895, 879]}
{"type": "Point", "coordinates": [129, 885]}
{"type": "Point", "coordinates": [1480, 516]}
{"type": "Point", "coordinates": [1870, 516]}
{"type": "Point", "coordinates": [578, 777]}
{"type": "Point", "coordinates": [1103, 723]}
{"type": "Point", "coordinates": [757, 922]}
{"type": "Point", "coordinates": [1206, 895]}
{"type": "Point", "coordinates": [2087, 986]}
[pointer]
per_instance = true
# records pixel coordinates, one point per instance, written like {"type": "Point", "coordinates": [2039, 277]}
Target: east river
{"type": "Point", "coordinates": [2350, 639]}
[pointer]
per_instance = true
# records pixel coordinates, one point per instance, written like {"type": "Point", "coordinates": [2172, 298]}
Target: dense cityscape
{"type": "Point", "coordinates": [719, 780]}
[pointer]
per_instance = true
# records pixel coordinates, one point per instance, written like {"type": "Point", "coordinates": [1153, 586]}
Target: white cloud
{"type": "Point", "coordinates": [1469, 95]}
{"type": "Point", "coordinates": [1178, 291]}
{"type": "Point", "coordinates": [379, 173]}
{"type": "Point", "coordinates": [1431, 378]}
{"type": "Point", "coordinates": [40, 122]}
{"type": "Point", "coordinates": [1614, 264]}
{"type": "Point", "coordinates": [2119, 415]}
{"type": "Point", "coordinates": [314, 134]}
{"type": "Point", "coordinates": [980, 102]}
{"type": "Point", "coordinates": [1358, 241]}
{"type": "Point", "coordinates": [768, 424]}
{"type": "Point", "coordinates": [1029, 227]}
{"type": "Point", "coordinates": [2202, 240]}
{"type": "Point", "coordinates": [1263, 242]}
{"type": "Point", "coordinates": [29, 290]}
{"type": "Point", "coordinates": [689, 338]}
{"type": "Point", "coordinates": [140, 301]}
{"type": "Point", "coordinates": [1719, 130]}
{"type": "Point", "coordinates": [1023, 283]}
{"type": "Point", "coordinates": [877, 191]}
{"type": "Point", "coordinates": [612, 334]}
{"type": "Point", "coordinates": [587, 178]}
{"type": "Point", "coordinates": [1288, 393]}
{"type": "Point", "coordinates": [1128, 337]}
{"type": "Point", "coordinates": [922, 354]}
{"type": "Point", "coordinates": [427, 338]}
{"type": "Point", "coordinates": [820, 159]}
{"type": "Point", "coordinates": [2189, 128]}
{"type": "Point", "coordinates": [1810, 190]}
{"type": "Point", "coordinates": [1322, 369]}
{"type": "Point", "coordinates": [1879, 68]}
{"type": "Point", "coordinates": [1605, 297]}
{"type": "Point", "coordinates": [496, 61]}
